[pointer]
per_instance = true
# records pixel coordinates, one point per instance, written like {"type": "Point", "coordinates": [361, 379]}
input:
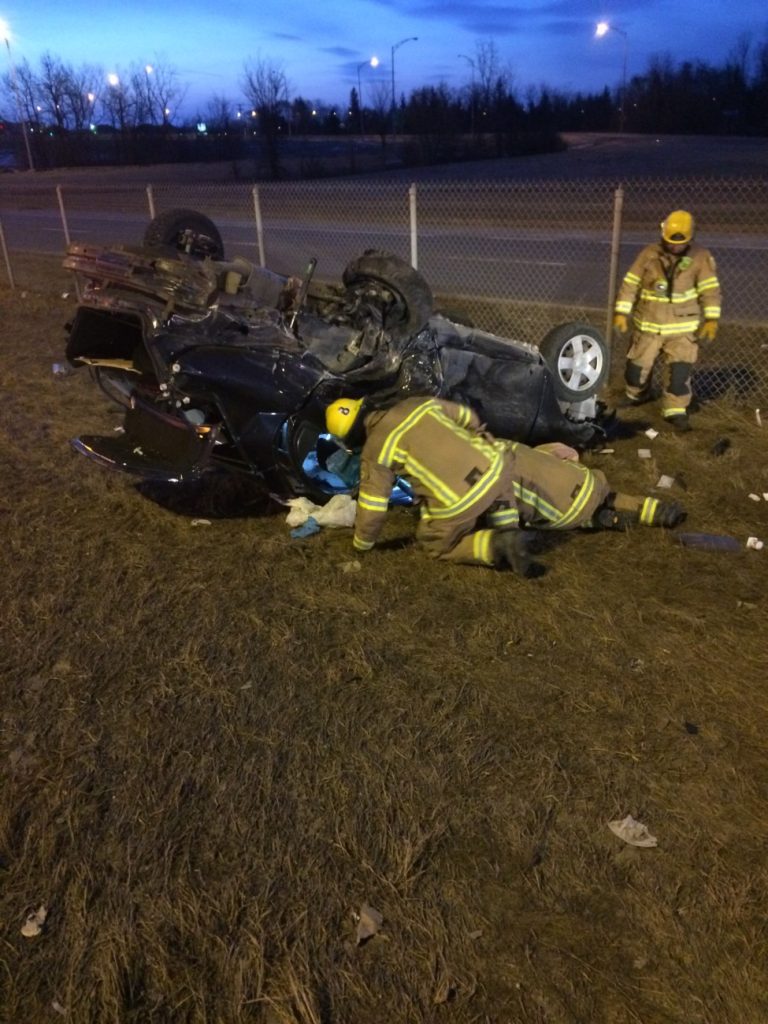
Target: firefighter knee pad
{"type": "Point", "coordinates": [633, 374]}
{"type": "Point", "coordinates": [679, 374]}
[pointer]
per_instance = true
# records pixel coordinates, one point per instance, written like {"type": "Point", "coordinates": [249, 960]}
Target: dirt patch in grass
{"type": "Point", "coordinates": [217, 746]}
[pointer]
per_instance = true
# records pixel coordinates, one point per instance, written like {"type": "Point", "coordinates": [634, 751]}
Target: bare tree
{"type": "Point", "coordinates": [219, 113]}
{"type": "Point", "coordinates": [266, 88]}
{"type": "Point", "coordinates": [82, 94]}
{"type": "Point", "coordinates": [381, 111]}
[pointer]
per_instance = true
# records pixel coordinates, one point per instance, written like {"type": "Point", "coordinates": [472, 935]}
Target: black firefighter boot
{"type": "Point", "coordinates": [652, 512]}
{"type": "Point", "coordinates": [510, 550]}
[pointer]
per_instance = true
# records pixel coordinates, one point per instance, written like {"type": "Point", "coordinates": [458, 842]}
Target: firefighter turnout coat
{"type": "Point", "coordinates": [468, 483]}
{"type": "Point", "coordinates": [669, 294]}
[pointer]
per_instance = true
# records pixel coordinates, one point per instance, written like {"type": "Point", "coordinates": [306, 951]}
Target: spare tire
{"type": "Point", "coordinates": [185, 231]}
{"type": "Point", "coordinates": [402, 293]}
{"type": "Point", "coordinates": [577, 355]}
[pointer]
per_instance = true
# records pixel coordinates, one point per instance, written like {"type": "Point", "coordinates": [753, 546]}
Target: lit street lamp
{"type": "Point", "coordinates": [472, 94]}
{"type": "Point", "coordinates": [374, 63]}
{"type": "Point", "coordinates": [5, 31]}
{"type": "Point", "coordinates": [410, 39]}
{"type": "Point", "coordinates": [602, 28]}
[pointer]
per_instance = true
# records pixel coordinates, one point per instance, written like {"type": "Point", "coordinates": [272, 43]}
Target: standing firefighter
{"type": "Point", "coordinates": [474, 491]}
{"type": "Point", "coordinates": [673, 296]}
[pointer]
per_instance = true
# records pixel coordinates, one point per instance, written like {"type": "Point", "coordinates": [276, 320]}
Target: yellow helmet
{"type": "Point", "coordinates": [341, 416]}
{"type": "Point", "coordinates": [678, 228]}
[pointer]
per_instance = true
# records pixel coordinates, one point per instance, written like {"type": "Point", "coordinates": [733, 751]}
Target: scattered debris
{"type": "Point", "coordinates": [754, 543]}
{"type": "Point", "coordinates": [606, 451]}
{"type": "Point", "coordinates": [309, 527]}
{"type": "Point", "coordinates": [200, 522]}
{"type": "Point", "coordinates": [754, 497]}
{"type": "Point", "coordinates": [651, 433]}
{"type": "Point", "coordinates": [632, 832]}
{"type": "Point", "coordinates": [665, 481]}
{"type": "Point", "coordinates": [709, 541]}
{"type": "Point", "coordinates": [340, 511]}
{"type": "Point", "coordinates": [644, 453]}
{"type": "Point", "coordinates": [691, 728]}
{"type": "Point", "coordinates": [369, 921]}
{"type": "Point", "coordinates": [34, 923]}
{"type": "Point", "coordinates": [721, 446]}
{"type": "Point", "coordinates": [353, 566]}
{"type": "Point", "coordinates": [58, 1008]}
{"type": "Point", "coordinates": [746, 604]}
{"type": "Point", "coordinates": [758, 420]}
{"type": "Point", "coordinates": [119, 430]}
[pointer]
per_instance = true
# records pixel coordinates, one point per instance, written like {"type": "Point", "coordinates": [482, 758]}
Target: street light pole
{"type": "Point", "coordinates": [20, 113]}
{"type": "Point", "coordinates": [603, 27]}
{"type": "Point", "coordinates": [410, 39]}
{"type": "Point", "coordinates": [472, 95]}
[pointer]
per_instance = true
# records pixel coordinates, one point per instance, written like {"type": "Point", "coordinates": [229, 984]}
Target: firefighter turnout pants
{"type": "Point", "coordinates": [678, 352]}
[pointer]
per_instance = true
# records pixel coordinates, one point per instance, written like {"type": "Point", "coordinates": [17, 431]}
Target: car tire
{"type": "Point", "coordinates": [577, 357]}
{"type": "Point", "coordinates": [185, 231]}
{"type": "Point", "coordinates": [413, 303]}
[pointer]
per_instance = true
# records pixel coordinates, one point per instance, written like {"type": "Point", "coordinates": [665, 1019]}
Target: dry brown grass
{"type": "Point", "coordinates": [217, 746]}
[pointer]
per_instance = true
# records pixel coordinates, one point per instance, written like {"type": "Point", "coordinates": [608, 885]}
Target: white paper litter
{"type": "Point", "coordinates": [368, 923]}
{"type": "Point", "coordinates": [754, 497]}
{"type": "Point", "coordinates": [606, 451]}
{"type": "Point", "coordinates": [765, 495]}
{"type": "Point", "coordinates": [339, 511]}
{"type": "Point", "coordinates": [200, 522]}
{"type": "Point", "coordinates": [644, 453]}
{"type": "Point", "coordinates": [632, 832]}
{"type": "Point", "coordinates": [348, 567]}
{"type": "Point", "coordinates": [665, 481]}
{"type": "Point", "coordinates": [651, 433]}
{"type": "Point", "coordinates": [753, 542]}
{"type": "Point", "coordinates": [34, 922]}
{"type": "Point", "coordinates": [758, 420]}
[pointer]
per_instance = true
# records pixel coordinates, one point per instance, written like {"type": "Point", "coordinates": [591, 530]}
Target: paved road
{"type": "Point", "coordinates": [525, 264]}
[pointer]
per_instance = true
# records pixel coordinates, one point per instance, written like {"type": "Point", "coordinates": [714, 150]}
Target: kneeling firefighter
{"type": "Point", "coordinates": [475, 490]}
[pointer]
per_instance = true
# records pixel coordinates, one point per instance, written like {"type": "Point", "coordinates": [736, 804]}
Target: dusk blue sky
{"type": "Point", "coordinates": [320, 45]}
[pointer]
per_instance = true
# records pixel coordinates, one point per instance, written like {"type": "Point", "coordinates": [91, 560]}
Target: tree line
{"type": "Point", "coordinates": [78, 115]}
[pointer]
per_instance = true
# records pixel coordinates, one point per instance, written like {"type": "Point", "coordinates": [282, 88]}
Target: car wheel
{"type": "Point", "coordinates": [185, 231]}
{"type": "Point", "coordinates": [400, 291]}
{"type": "Point", "coordinates": [577, 355]}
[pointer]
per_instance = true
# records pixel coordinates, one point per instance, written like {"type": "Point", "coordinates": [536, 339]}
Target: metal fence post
{"type": "Point", "coordinates": [414, 227]}
{"type": "Point", "coordinates": [259, 226]}
{"type": "Point", "coordinates": [63, 213]}
{"type": "Point", "coordinates": [67, 239]}
{"type": "Point", "coordinates": [6, 257]}
{"type": "Point", "coordinates": [151, 202]}
{"type": "Point", "coordinates": [613, 271]}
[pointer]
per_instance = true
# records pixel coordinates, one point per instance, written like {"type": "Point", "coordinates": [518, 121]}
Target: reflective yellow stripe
{"type": "Point", "coordinates": [536, 502]}
{"type": "Point", "coordinates": [505, 517]}
{"type": "Point", "coordinates": [682, 411]}
{"type": "Point", "coordinates": [681, 327]}
{"type": "Point", "coordinates": [362, 545]}
{"type": "Point", "coordinates": [481, 547]}
{"type": "Point", "coordinates": [481, 488]}
{"type": "Point", "coordinates": [707, 284]}
{"type": "Point", "coordinates": [372, 502]}
{"type": "Point", "coordinates": [623, 307]}
{"type": "Point", "coordinates": [712, 312]}
{"type": "Point", "coordinates": [631, 278]}
{"type": "Point", "coordinates": [444, 494]}
{"type": "Point", "coordinates": [677, 297]}
{"type": "Point", "coordinates": [648, 511]}
{"type": "Point", "coordinates": [580, 502]}
{"type": "Point", "coordinates": [388, 451]}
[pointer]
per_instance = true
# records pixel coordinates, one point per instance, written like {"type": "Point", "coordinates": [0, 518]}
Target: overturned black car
{"type": "Point", "coordinates": [224, 365]}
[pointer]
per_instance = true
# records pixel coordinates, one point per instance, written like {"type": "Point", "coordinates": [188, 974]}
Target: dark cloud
{"type": "Point", "coordinates": [339, 51]}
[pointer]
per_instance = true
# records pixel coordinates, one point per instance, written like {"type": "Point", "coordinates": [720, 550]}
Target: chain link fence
{"type": "Point", "coordinates": [512, 257]}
